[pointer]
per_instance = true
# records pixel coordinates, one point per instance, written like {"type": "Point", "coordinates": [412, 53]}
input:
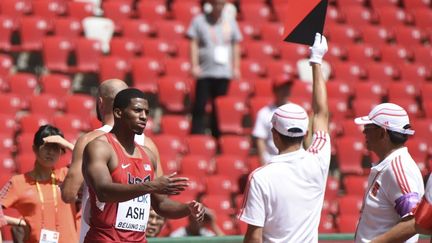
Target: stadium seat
{"type": "Point", "coordinates": [334, 16]}
{"type": "Point", "coordinates": [48, 9]}
{"type": "Point", "coordinates": [384, 72]}
{"type": "Point", "coordinates": [173, 93]}
{"type": "Point", "coordinates": [145, 72]}
{"type": "Point", "coordinates": [11, 104]}
{"type": "Point", "coordinates": [180, 48]}
{"type": "Point", "coordinates": [362, 53]}
{"type": "Point", "coordinates": [25, 162]}
{"type": "Point", "coordinates": [169, 145]}
{"type": "Point", "coordinates": [350, 204]}
{"type": "Point", "coordinates": [377, 35]}
{"type": "Point", "coordinates": [235, 145]}
{"type": "Point", "coordinates": [420, 152]}
{"type": "Point", "coordinates": [417, 73]}
{"type": "Point", "coordinates": [124, 48]}
{"type": "Point", "coordinates": [293, 52]}
{"type": "Point", "coordinates": [349, 151]}
{"type": "Point", "coordinates": [15, 8]}
{"type": "Point", "coordinates": [170, 30]}
{"type": "Point", "coordinates": [362, 106]}
{"type": "Point", "coordinates": [426, 89]}
{"type": "Point", "coordinates": [184, 11]}
{"type": "Point", "coordinates": [195, 165]}
{"type": "Point", "coordinates": [80, 105]}
{"type": "Point", "coordinates": [394, 17]}
{"type": "Point", "coordinates": [240, 88]}
{"type": "Point", "coordinates": [422, 17]}
{"type": "Point", "coordinates": [220, 205]}
{"type": "Point", "coordinates": [112, 67]}
{"type": "Point", "coordinates": [31, 122]}
{"type": "Point", "coordinates": [410, 105]}
{"type": "Point", "coordinates": [260, 50]}
{"type": "Point", "coordinates": [70, 124]}
{"type": "Point", "coordinates": [339, 89]}
{"type": "Point", "coordinates": [347, 223]}
{"type": "Point", "coordinates": [332, 188]}
{"type": "Point", "coordinates": [410, 36]}
{"type": "Point", "coordinates": [117, 11]}
{"type": "Point", "coordinates": [327, 224]}
{"type": "Point", "coordinates": [423, 54]}
{"type": "Point", "coordinates": [7, 147]}
{"type": "Point", "coordinates": [252, 69]}
{"type": "Point", "coordinates": [337, 53]}
{"type": "Point", "coordinates": [403, 89]}
{"type": "Point", "coordinates": [233, 166]}
{"type": "Point", "coordinates": [55, 84]}
{"type": "Point", "coordinates": [338, 108]}
{"type": "Point", "coordinates": [262, 88]}
{"type": "Point", "coordinates": [8, 124]}
{"type": "Point", "coordinates": [227, 224]}
{"type": "Point", "coordinates": [179, 67]}
{"type": "Point", "coordinates": [68, 28]}
{"type": "Point", "coordinates": [169, 163]}
{"type": "Point", "coordinates": [178, 125]}
{"type": "Point", "coordinates": [157, 48]}
{"type": "Point", "coordinates": [348, 71]}
{"type": "Point", "coordinates": [344, 34]}
{"type": "Point", "coordinates": [32, 31]}
{"type": "Point", "coordinates": [370, 90]}
{"type": "Point", "coordinates": [7, 164]}
{"type": "Point", "coordinates": [355, 185]}
{"type": "Point", "coordinates": [395, 54]}
{"type": "Point", "coordinates": [230, 112]}
{"type": "Point", "coordinates": [56, 52]}
{"type": "Point", "coordinates": [427, 107]}
{"type": "Point", "coordinates": [220, 185]}
{"type": "Point", "coordinates": [6, 64]}
{"type": "Point", "coordinates": [380, 4]}
{"type": "Point", "coordinates": [413, 4]}
{"type": "Point", "coordinates": [256, 103]}
{"type": "Point", "coordinates": [23, 84]}
{"type": "Point", "coordinates": [250, 31]}
{"type": "Point", "coordinates": [43, 104]}
{"type": "Point", "coordinates": [137, 29]}
{"type": "Point", "coordinates": [350, 129]}
{"type": "Point", "coordinates": [80, 9]}
{"type": "Point", "coordinates": [348, 4]}
{"type": "Point", "coordinates": [196, 186]}
{"type": "Point", "coordinates": [281, 69]}
{"type": "Point", "coordinates": [7, 27]}
{"type": "Point", "coordinates": [201, 145]}
{"type": "Point", "coordinates": [88, 53]}
{"type": "Point", "coordinates": [423, 128]}
{"type": "Point", "coordinates": [255, 12]}
{"type": "Point", "coordinates": [152, 10]}
{"type": "Point", "coordinates": [272, 32]}
{"type": "Point", "coordinates": [360, 16]}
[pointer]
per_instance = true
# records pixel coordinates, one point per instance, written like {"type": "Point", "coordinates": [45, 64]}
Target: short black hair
{"type": "Point", "coordinates": [398, 138]}
{"type": "Point", "coordinates": [123, 98]}
{"type": "Point", "coordinates": [292, 140]}
{"type": "Point", "coordinates": [43, 132]}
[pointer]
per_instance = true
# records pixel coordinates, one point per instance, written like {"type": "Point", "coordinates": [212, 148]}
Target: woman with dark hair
{"type": "Point", "coordinates": [36, 194]}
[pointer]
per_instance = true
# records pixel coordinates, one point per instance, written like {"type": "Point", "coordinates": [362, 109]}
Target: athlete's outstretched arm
{"type": "Point", "coordinates": [168, 208]}
{"type": "Point", "coordinates": [97, 155]}
{"type": "Point", "coordinates": [253, 234]}
{"type": "Point", "coordinates": [399, 233]}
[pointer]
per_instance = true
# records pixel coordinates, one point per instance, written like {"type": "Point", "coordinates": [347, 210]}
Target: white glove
{"type": "Point", "coordinates": [319, 49]}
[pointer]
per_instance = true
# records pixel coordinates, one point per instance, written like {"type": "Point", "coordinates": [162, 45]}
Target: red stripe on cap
{"type": "Point", "coordinates": [290, 117]}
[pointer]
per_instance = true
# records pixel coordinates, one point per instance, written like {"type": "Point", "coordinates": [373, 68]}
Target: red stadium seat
{"type": "Point", "coordinates": [69, 28]}
{"type": "Point", "coordinates": [410, 105]}
{"type": "Point", "coordinates": [423, 128]}
{"type": "Point", "coordinates": [88, 53]}
{"type": "Point", "coordinates": [377, 35]}
{"type": "Point", "coordinates": [420, 152]}
{"type": "Point", "coordinates": [15, 8]}
{"type": "Point", "coordinates": [7, 164]}
{"type": "Point", "coordinates": [350, 129]}
{"type": "Point", "coordinates": [339, 108]}
{"type": "Point", "coordinates": [173, 93]}
{"type": "Point", "coordinates": [227, 224]}
{"type": "Point", "coordinates": [56, 84]}
{"type": "Point", "coordinates": [403, 89]}
{"type": "Point", "coordinates": [220, 205]}
{"type": "Point", "coordinates": [332, 188]}
{"type": "Point", "coordinates": [256, 103]}
{"type": "Point", "coordinates": [7, 26]}
{"type": "Point", "coordinates": [30, 123]}
{"type": "Point", "coordinates": [350, 204]}
{"type": "Point", "coordinates": [395, 54]}
{"type": "Point", "coordinates": [427, 107]}
{"type": "Point", "coordinates": [232, 166]}
{"type": "Point", "coordinates": [384, 72]}
{"type": "Point", "coordinates": [334, 16]}
{"type": "Point", "coordinates": [220, 185]}
{"type": "Point", "coordinates": [158, 48]}
{"type": "Point", "coordinates": [201, 145]}
{"type": "Point", "coordinates": [250, 31]}
{"type": "Point", "coordinates": [80, 105]}
{"type": "Point", "coordinates": [423, 54]}
{"type": "Point", "coordinates": [393, 16]}
{"type": "Point", "coordinates": [112, 67]}
{"type": "Point", "coordinates": [169, 163]}
{"type": "Point", "coordinates": [339, 89]}
{"type": "Point", "coordinates": [70, 124]}
{"type": "Point", "coordinates": [255, 12]}
{"type": "Point", "coordinates": [137, 29]}
{"type": "Point", "coordinates": [344, 34]}
{"type": "Point", "coordinates": [44, 104]}
{"type": "Point", "coordinates": [293, 52]}
{"type": "Point", "coordinates": [184, 11]}
{"type": "Point", "coordinates": [370, 90]}
{"type": "Point", "coordinates": [194, 165]}
{"type": "Point", "coordinates": [80, 9]}
{"type": "Point", "coordinates": [235, 145]}
{"type": "Point", "coordinates": [349, 152]}
{"type": "Point", "coordinates": [360, 16]}
{"type": "Point", "coordinates": [355, 185]}
{"type": "Point", "coordinates": [337, 53]}
{"type": "Point", "coordinates": [272, 32]}
{"type": "Point", "coordinates": [260, 50]}
{"type": "Point", "coordinates": [230, 112]}
{"type": "Point", "coordinates": [410, 36]}
{"type": "Point", "coordinates": [152, 10]}
{"type": "Point", "coordinates": [380, 4]}
{"type": "Point", "coordinates": [7, 147]}
{"type": "Point", "coordinates": [6, 64]}
{"type": "Point", "coordinates": [422, 17]}
{"type": "Point", "coordinates": [8, 124]}
{"type": "Point", "coordinates": [327, 224]}
{"type": "Point", "coordinates": [347, 223]}
{"type": "Point", "coordinates": [240, 88]}
{"type": "Point", "coordinates": [177, 125]}
{"type": "Point", "coordinates": [11, 104]}
{"type": "Point", "coordinates": [417, 73]}
{"type": "Point", "coordinates": [348, 4]}
{"type": "Point", "coordinates": [252, 69]}
{"type": "Point", "coordinates": [281, 69]}
{"type": "Point", "coordinates": [363, 106]}
{"type": "Point", "coordinates": [117, 11]}
{"type": "Point", "coordinates": [179, 67]}
{"type": "Point", "coordinates": [362, 53]}
{"type": "Point", "coordinates": [48, 9]}
{"type": "Point", "coordinates": [25, 162]}
{"type": "Point", "coordinates": [348, 71]}
{"type": "Point", "coordinates": [263, 88]}
{"type": "Point", "coordinates": [413, 4]}
{"type": "Point", "coordinates": [56, 52]}
{"type": "Point", "coordinates": [23, 84]}
{"type": "Point", "coordinates": [145, 72]}
{"type": "Point", "coordinates": [426, 89]}
{"type": "Point", "coordinates": [124, 48]}
{"type": "Point", "coordinates": [169, 145]}
{"type": "Point", "coordinates": [32, 31]}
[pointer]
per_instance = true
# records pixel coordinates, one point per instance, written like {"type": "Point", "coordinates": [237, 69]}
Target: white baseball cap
{"type": "Point", "coordinates": [389, 116]}
{"type": "Point", "coordinates": [290, 116]}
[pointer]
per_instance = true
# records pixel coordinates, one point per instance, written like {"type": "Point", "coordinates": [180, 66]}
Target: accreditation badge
{"type": "Point", "coordinates": [49, 236]}
{"type": "Point", "coordinates": [221, 54]}
{"type": "Point", "coordinates": [133, 215]}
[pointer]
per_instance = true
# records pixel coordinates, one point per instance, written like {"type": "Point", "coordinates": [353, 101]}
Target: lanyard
{"type": "Point", "coordinates": [226, 30]}
{"type": "Point", "coordinates": [42, 200]}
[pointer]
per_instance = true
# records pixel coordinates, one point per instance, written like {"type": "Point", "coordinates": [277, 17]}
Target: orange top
{"type": "Point", "coordinates": [22, 194]}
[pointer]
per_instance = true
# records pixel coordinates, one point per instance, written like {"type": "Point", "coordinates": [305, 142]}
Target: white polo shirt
{"type": "Point", "coordinates": [285, 197]}
{"type": "Point", "coordinates": [396, 178]}
{"type": "Point", "coordinates": [85, 219]}
{"type": "Point", "coordinates": [262, 130]}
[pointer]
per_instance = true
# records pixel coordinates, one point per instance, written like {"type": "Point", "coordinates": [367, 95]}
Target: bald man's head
{"type": "Point", "coordinates": [107, 91]}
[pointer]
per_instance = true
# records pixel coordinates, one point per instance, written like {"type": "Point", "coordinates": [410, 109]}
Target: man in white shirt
{"type": "Point", "coordinates": [262, 128]}
{"type": "Point", "coordinates": [395, 184]}
{"type": "Point", "coordinates": [283, 199]}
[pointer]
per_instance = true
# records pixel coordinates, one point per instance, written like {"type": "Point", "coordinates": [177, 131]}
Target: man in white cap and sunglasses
{"type": "Point", "coordinates": [284, 198]}
{"type": "Point", "coordinates": [395, 184]}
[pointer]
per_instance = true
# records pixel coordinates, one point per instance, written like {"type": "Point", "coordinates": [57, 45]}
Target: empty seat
{"type": "Point", "coordinates": [32, 31]}
{"type": "Point", "coordinates": [332, 188]}
{"type": "Point", "coordinates": [347, 223]}
{"type": "Point", "coordinates": [360, 16]}
{"type": "Point", "coordinates": [370, 90]}
{"type": "Point", "coordinates": [339, 108]}
{"type": "Point", "coordinates": [250, 31]}
{"type": "Point", "coordinates": [402, 89]}
{"type": "Point", "coordinates": [220, 185]}
{"type": "Point", "coordinates": [380, 4]}
{"type": "Point", "coordinates": [363, 53]}
{"type": "Point", "coordinates": [235, 145]}
{"type": "Point", "coordinates": [145, 72]}
{"type": "Point", "coordinates": [339, 89]}
{"type": "Point", "coordinates": [256, 103]}
{"type": "Point", "coordinates": [69, 28]}
{"type": "Point", "coordinates": [393, 16]}
{"type": "Point", "coordinates": [88, 53]}
{"type": "Point", "coordinates": [230, 112]}
{"type": "Point", "coordinates": [240, 88]}
{"type": "Point", "coordinates": [293, 52]}
{"type": "Point", "coordinates": [363, 106]}
{"type": "Point", "coordinates": [255, 12]}
{"type": "Point", "coordinates": [349, 152]}
{"type": "Point", "coordinates": [194, 165]}
{"type": "Point", "coordinates": [44, 104]}
{"type": "Point", "coordinates": [260, 50]}
{"type": "Point", "coordinates": [56, 52]}
{"type": "Point", "coordinates": [137, 29]}
{"type": "Point", "coordinates": [15, 8]}
{"type": "Point", "coordinates": [384, 72]}
{"type": "Point", "coordinates": [169, 163]}
{"type": "Point", "coordinates": [124, 48]}
{"type": "Point", "coordinates": [6, 64]}
{"type": "Point", "coordinates": [80, 104]}
{"type": "Point", "coordinates": [70, 124]}
{"type": "Point", "coordinates": [344, 34]}
{"type": "Point", "coordinates": [414, 72]}
{"type": "Point", "coordinates": [420, 152]}
{"type": "Point", "coordinates": [169, 144]}
{"type": "Point", "coordinates": [48, 9]}
{"type": "Point", "coordinates": [410, 36]}
{"type": "Point", "coordinates": [377, 35]}
{"type": "Point", "coordinates": [7, 26]}
{"type": "Point", "coordinates": [112, 67]}
{"type": "Point", "coordinates": [180, 67]}
{"type": "Point", "coordinates": [8, 124]}
{"type": "Point", "coordinates": [395, 54]}
{"type": "Point", "coordinates": [348, 71]}
{"type": "Point", "coordinates": [355, 185]}
{"type": "Point", "coordinates": [170, 30]}
{"type": "Point", "coordinates": [158, 48]}
{"type": "Point", "coordinates": [80, 9]}
{"type": "Point", "coordinates": [220, 205]}
{"type": "Point", "coordinates": [25, 162]}
{"type": "Point", "coordinates": [30, 123]}
{"type": "Point", "coordinates": [422, 17]}
{"type": "Point", "coordinates": [263, 88]}
{"type": "Point", "coordinates": [252, 69]}
{"type": "Point", "coordinates": [117, 11]}
{"type": "Point", "coordinates": [177, 125]}
{"type": "Point", "coordinates": [423, 54]}
{"type": "Point", "coordinates": [184, 11]}
{"type": "Point", "coordinates": [152, 10]}
{"type": "Point", "coordinates": [202, 145]}
{"type": "Point", "coordinates": [409, 104]}
{"type": "Point", "coordinates": [55, 84]}
{"type": "Point", "coordinates": [11, 104]}
{"type": "Point", "coordinates": [350, 204]}
{"type": "Point", "coordinates": [23, 84]}
{"type": "Point", "coordinates": [232, 166]}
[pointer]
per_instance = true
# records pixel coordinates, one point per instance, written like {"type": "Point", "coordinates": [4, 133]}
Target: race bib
{"type": "Point", "coordinates": [49, 236]}
{"type": "Point", "coordinates": [133, 215]}
{"type": "Point", "coordinates": [221, 55]}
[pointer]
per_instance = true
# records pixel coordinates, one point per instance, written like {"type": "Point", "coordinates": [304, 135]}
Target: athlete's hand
{"type": "Point", "coordinates": [197, 210]}
{"type": "Point", "coordinates": [319, 49]}
{"type": "Point", "coordinates": [169, 184]}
